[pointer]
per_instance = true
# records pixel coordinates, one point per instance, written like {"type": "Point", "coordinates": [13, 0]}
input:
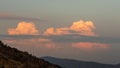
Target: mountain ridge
{"type": "Point", "coordinates": [71, 63]}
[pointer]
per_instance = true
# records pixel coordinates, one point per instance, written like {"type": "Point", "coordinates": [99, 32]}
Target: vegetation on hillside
{"type": "Point", "coordinates": [13, 58]}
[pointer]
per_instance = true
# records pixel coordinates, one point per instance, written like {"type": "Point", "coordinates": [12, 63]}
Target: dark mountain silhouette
{"type": "Point", "coordinates": [13, 58]}
{"type": "Point", "coordinates": [68, 63]}
{"type": "Point", "coordinates": [117, 66]}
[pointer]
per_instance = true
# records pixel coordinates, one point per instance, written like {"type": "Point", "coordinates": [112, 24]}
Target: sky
{"type": "Point", "coordinates": [76, 29]}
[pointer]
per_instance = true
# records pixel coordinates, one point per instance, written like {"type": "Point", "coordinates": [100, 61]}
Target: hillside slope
{"type": "Point", "coordinates": [13, 58]}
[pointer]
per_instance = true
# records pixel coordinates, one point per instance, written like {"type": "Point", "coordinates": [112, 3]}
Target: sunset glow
{"type": "Point", "coordinates": [87, 30]}
{"type": "Point", "coordinates": [79, 27]}
{"type": "Point", "coordinates": [90, 45]}
{"type": "Point", "coordinates": [83, 28]}
{"type": "Point", "coordinates": [57, 31]}
{"type": "Point", "coordinates": [24, 28]}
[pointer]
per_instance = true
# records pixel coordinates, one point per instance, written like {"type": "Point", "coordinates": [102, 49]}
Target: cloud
{"type": "Point", "coordinates": [24, 28]}
{"type": "Point", "coordinates": [90, 45]}
{"type": "Point", "coordinates": [74, 38]}
{"type": "Point", "coordinates": [80, 35]}
{"type": "Point", "coordinates": [79, 27]}
{"type": "Point", "coordinates": [57, 31]}
{"type": "Point", "coordinates": [5, 16]}
{"type": "Point", "coordinates": [55, 41]}
{"type": "Point", "coordinates": [49, 44]}
{"type": "Point", "coordinates": [84, 28]}
{"type": "Point", "coordinates": [34, 42]}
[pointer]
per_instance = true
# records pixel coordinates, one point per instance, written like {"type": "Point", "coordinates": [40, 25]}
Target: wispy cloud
{"type": "Point", "coordinates": [90, 45]}
{"type": "Point", "coordinates": [57, 42]}
{"type": "Point", "coordinates": [19, 18]}
{"type": "Point", "coordinates": [65, 38]}
{"type": "Point", "coordinates": [81, 38]}
{"type": "Point", "coordinates": [34, 42]}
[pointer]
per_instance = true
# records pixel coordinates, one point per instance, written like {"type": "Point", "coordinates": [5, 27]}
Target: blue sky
{"type": "Point", "coordinates": [104, 14]}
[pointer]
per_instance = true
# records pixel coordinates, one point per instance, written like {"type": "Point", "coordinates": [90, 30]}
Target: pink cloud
{"type": "Point", "coordinates": [90, 45]}
{"type": "Point", "coordinates": [79, 27]}
{"type": "Point", "coordinates": [39, 42]}
{"type": "Point", "coordinates": [24, 28]}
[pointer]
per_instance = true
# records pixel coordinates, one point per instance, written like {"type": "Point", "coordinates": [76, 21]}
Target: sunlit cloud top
{"type": "Point", "coordinates": [79, 35]}
{"type": "Point", "coordinates": [80, 27]}
{"type": "Point", "coordinates": [24, 28]}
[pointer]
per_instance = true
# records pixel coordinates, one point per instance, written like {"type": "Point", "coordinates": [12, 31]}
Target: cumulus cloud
{"type": "Point", "coordinates": [24, 28]}
{"type": "Point", "coordinates": [84, 28]}
{"type": "Point", "coordinates": [80, 35]}
{"type": "Point", "coordinates": [90, 45]}
{"type": "Point", "coordinates": [79, 27]}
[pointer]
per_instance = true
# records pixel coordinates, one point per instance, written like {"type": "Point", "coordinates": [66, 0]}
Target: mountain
{"type": "Point", "coordinates": [13, 58]}
{"type": "Point", "coordinates": [68, 63]}
{"type": "Point", "coordinates": [117, 66]}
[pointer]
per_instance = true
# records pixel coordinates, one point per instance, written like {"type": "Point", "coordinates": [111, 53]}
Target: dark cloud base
{"type": "Point", "coordinates": [64, 38]}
